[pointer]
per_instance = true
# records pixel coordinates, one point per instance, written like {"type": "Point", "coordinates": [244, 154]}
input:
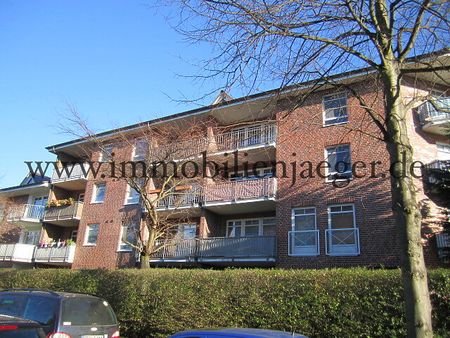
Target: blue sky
{"type": "Point", "coordinates": [116, 61]}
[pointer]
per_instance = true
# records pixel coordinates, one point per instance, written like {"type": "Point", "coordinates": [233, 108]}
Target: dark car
{"type": "Point", "coordinates": [236, 333]}
{"type": "Point", "coordinates": [13, 327]}
{"type": "Point", "coordinates": [62, 314]}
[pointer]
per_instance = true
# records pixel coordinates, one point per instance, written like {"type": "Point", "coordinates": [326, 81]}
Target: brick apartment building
{"type": "Point", "coordinates": [328, 219]}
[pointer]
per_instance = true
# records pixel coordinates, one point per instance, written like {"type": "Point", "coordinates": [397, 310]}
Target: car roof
{"type": "Point", "coordinates": [5, 320]}
{"type": "Point", "coordinates": [59, 294]}
{"type": "Point", "coordinates": [242, 333]}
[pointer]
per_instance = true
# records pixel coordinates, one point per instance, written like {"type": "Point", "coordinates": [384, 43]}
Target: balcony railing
{"type": "Point", "coordinates": [219, 248]}
{"type": "Point", "coordinates": [232, 191]}
{"type": "Point", "coordinates": [342, 242]}
{"type": "Point", "coordinates": [70, 173]}
{"type": "Point", "coordinates": [436, 111]}
{"type": "Point", "coordinates": [67, 212]}
{"type": "Point", "coordinates": [29, 212]}
{"type": "Point", "coordinates": [55, 255]}
{"type": "Point", "coordinates": [251, 136]}
{"type": "Point", "coordinates": [17, 252]}
{"type": "Point", "coordinates": [304, 243]}
{"type": "Point", "coordinates": [240, 190]}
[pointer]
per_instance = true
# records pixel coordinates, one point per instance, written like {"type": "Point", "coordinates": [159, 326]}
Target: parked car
{"type": "Point", "coordinates": [236, 333]}
{"type": "Point", "coordinates": [13, 327]}
{"type": "Point", "coordinates": [62, 314]}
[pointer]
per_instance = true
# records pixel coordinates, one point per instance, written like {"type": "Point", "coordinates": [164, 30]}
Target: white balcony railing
{"type": "Point", "coordinates": [251, 136]}
{"type": "Point", "coordinates": [30, 212]}
{"type": "Point", "coordinates": [436, 111]}
{"type": "Point", "coordinates": [63, 254]}
{"type": "Point", "coordinates": [240, 190]}
{"type": "Point", "coordinates": [70, 173]}
{"type": "Point", "coordinates": [17, 252]}
{"type": "Point", "coordinates": [303, 243]}
{"type": "Point", "coordinates": [218, 248]}
{"type": "Point", "coordinates": [231, 191]}
{"type": "Point", "coordinates": [342, 242]}
{"type": "Point", "coordinates": [66, 212]}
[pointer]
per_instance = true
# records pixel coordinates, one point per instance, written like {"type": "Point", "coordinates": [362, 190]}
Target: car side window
{"type": "Point", "coordinates": [41, 309]}
{"type": "Point", "coordinates": [12, 305]}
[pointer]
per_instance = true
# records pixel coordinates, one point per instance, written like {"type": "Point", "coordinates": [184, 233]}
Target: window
{"type": "Point", "coordinates": [132, 195]}
{"type": "Point", "coordinates": [99, 193]}
{"type": "Point", "coordinates": [81, 198]}
{"type": "Point", "coordinates": [340, 164]}
{"type": "Point", "coordinates": [251, 227]}
{"type": "Point", "coordinates": [342, 234]}
{"type": "Point", "coordinates": [91, 234]}
{"type": "Point", "coordinates": [30, 236]}
{"type": "Point", "coordinates": [74, 235]}
{"type": "Point", "coordinates": [304, 237]}
{"type": "Point", "coordinates": [127, 235]}
{"type": "Point", "coordinates": [87, 311]}
{"type": "Point", "coordinates": [187, 231]}
{"type": "Point", "coordinates": [335, 109]}
{"type": "Point", "coordinates": [2, 212]}
{"type": "Point", "coordinates": [443, 151]}
{"type": "Point", "coordinates": [140, 150]}
{"type": "Point", "coordinates": [106, 153]}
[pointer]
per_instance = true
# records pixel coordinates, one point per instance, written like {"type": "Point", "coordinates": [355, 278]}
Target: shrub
{"type": "Point", "coordinates": [317, 303]}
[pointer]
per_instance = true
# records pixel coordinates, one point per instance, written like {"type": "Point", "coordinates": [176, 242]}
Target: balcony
{"type": "Point", "coordinates": [21, 253]}
{"type": "Point", "coordinates": [26, 213]}
{"type": "Point", "coordinates": [55, 256]}
{"type": "Point", "coordinates": [254, 136]}
{"type": "Point", "coordinates": [218, 250]}
{"type": "Point", "coordinates": [304, 243]}
{"type": "Point", "coordinates": [246, 137]}
{"type": "Point", "coordinates": [67, 215]}
{"type": "Point", "coordinates": [434, 116]}
{"type": "Point", "coordinates": [437, 175]}
{"type": "Point", "coordinates": [71, 177]}
{"type": "Point", "coordinates": [342, 242]}
{"type": "Point", "coordinates": [231, 193]}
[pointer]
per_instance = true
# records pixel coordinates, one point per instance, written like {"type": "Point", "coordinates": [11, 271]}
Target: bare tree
{"type": "Point", "coordinates": [294, 41]}
{"type": "Point", "coordinates": [161, 172]}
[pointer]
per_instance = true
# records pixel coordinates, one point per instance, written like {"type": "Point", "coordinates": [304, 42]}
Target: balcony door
{"type": "Point", "coordinates": [304, 237]}
{"type": "Point", "coordinates": [30, 237]}
{"type": "Point", "coordinates": [36, 209]}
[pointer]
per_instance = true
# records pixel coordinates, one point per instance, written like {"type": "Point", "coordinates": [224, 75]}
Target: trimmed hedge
{"type": "Point", "coordinates": [317, 303]}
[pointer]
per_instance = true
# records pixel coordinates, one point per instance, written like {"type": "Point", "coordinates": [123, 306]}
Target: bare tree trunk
{"type": "Point", "coordinates": [406, 213]}
{"type": "Point", "coordinates": [145, 261]}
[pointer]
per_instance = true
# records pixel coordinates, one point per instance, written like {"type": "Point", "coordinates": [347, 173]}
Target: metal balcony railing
{"type": "Point", "coordinates": [66, 212]}
{"type": "Point", "coordinates": [342, 242]}
{"type": "Point", "coordinates": [26, 212]}
{"type": "Point", "coordinates": [70, 173]}
{"type": "Point", "coordinates": [218, 248]}
{"type": "Point", "coordinates": [436, 111]}
{"type": "Point", "coordinates": [63, 254]}
{"type": "Point", "coordinates": [240, 190]}
{"type": "Point", "coordinates": [231, 191]}
{"type": "Point", "coordinates": [303, 243]}
{"type": "Point", "coordinates": [246, 137]}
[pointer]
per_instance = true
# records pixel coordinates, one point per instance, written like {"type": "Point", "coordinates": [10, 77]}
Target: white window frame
{"type": "Point", "coordinates": [355, 227]}
{"type": "Point", "coordinates": [86, 235]}
{"type": "Point", "coordinates": [94, 193]}
{"type": "Point", "coordinates": [330, 97]}
{"type": "Point", "coordinates": [328, 169]}
{"type": "Point", "coordinates": [242, 226]}
{"type": "Point", "coordinates": [137, 157]}
{"type": "Point", "coordinates": [128, 196]}
{"type": "Point", "coordinates": [310, 252]}
{"type": "Point", "coordinates": [123, 247]}
{"type": "Point", "coordinates": [103, 151]}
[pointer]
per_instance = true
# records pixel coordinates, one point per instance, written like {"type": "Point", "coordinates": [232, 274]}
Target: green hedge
{"type": "Point", "coordinates": [317, 303]}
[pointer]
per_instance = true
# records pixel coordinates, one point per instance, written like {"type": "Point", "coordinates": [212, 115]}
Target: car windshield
{"type": "Point", "coordinates": [85, 311]}
{"type": "Point", "coordinates": [34, 307]}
